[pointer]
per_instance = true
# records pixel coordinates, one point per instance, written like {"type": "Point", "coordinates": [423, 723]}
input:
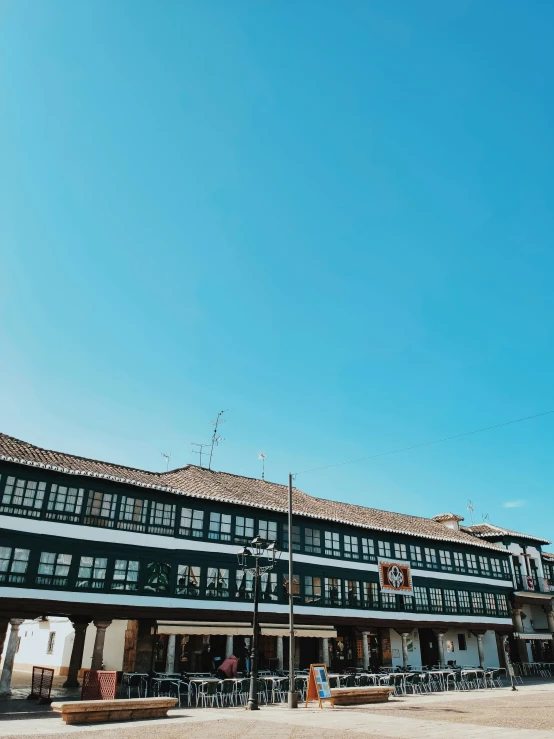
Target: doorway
{"type": "Point", "coordinates": [429, 647]}
{"type": "Point", "coordinates": [309, 651]}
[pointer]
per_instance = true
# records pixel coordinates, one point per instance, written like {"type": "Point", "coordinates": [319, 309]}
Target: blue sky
{"type": "Point", "coordinates": [332, 219]}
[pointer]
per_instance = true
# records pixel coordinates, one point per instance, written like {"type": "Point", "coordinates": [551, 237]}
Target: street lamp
{"type": "Point", "coordinates": [249, 562]}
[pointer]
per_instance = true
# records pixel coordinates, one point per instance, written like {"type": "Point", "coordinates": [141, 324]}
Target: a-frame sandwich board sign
{"type": "Point", "coordinates": [318, 686]}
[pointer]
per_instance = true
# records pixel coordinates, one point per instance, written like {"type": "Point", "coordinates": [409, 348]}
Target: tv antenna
{"type": "Point", "coordinates": [486, 518]}
{"type": "Point", "coordinates": [167, 458]}
{"type": "Point", "coordinates": [199, 451]}
{"type": "Point", "coordinates": [215, 438]}
{"type": "Point", "coordinates": [470, 509]}
{"type": "Point", "coordinates": [261, 456]}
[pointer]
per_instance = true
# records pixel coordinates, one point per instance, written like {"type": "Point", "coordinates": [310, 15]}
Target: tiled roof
{"type": "Point", "coordinates": [200, 482]}
{"type": "Point", "coordinates": [548, 555]}
{"type": "Point", "coordinates": [447, 517]}
{"type": "Point", "coordinates": [488, 529]}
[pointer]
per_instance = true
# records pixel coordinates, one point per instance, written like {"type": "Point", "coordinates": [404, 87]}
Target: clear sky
{"type": "Point", "coordinates": [332, 218]}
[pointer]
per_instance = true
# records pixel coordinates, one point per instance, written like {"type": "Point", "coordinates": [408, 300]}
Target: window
{"type": "Point", "coordinates": [352, 593]}
{"type": "Point", "coordinates": [445, 559]}
{"type": "Point", "coordinates": [450, 603]}
{"type": "Point", "coordinates": [244, 529]}
{"type": "Point", "coordinates": [25, 495]}
{"type": "Point", "coordinates": [220, 526]}
{"type": "Point", "coordinates": [370, 591]}
{"type": "Point", "coordinates": [388, 601]}
{"type": "Point", "coordinates": [162, 517]}
{"type": "Point", "coordinates": [268, 586]}
{"type": "Point", "coordinates": [463, 601]}
{"type": "Point", "coordinates": [333, 591]}
{"type": "Point", "coordinates": [133, 513]}
{"type": "Point", "coordinates": [217, 585]}
{"type": "Point", "coordinates": [490, 604]}
{"type": "Point", "coordinates": [502, 605]}
{"type": "Point", "coordinates": [312, 541]}
{"type": "Point", "coordinates": [435, 596]}
{"type": "Point", "coordinates": [13, 564]}
{"type": "Point", "coordinates": [92, 572]}
{"type": "Point", "coordinates": [125, 575]}
{"type": "Point", "coordinates": [431, 558]}
{"type": "Point", "coordinates": [192, 523]}
{"type": "Point", "coordinates": [496, 568]}
{"type": "Point", "coordinates": [53, 569]}
{"type": "Point", "coordinates": [368, 550]}
{"type": "Point", "coordinates": [506, 569]}
{"type": "Point", "coordinates": [332, 545]}
{"type": "Point", "coordinates": [384, 548]}
{"type": "Point", "coordinates": [268, 531]}
{"type": "Point", "coordinates": [408, 602]}
{"type": "Point", "coordinates": [351, 550]}
{"type": "Point", "coordinates": [158, 577]}
{"type": "Point", "coordinates": [101, 507]}
{"type": "Point", "coordinates": [51, 640]}
{"type": "Point", "coordinates": [400, 551]}
{"type": "Point", "coordinates": [471, 560]}
{"type": "Point", "coordinates": [245, 585]}
{"type": "Point", "coordinates": [312, 589]}
{"type": "Point", "coordinates": [462, 644]}
{"type": "Point", "coordinates": [188, 580]}
{"type": "Point", "coordinates": [415, 556]}
{"type": "Point", "coordinates": [484, 565]}
{"type": "Point", "coordinates": [459, 563]}
{"type": "Point", "coordinates": [65, 504]}
{"type": "Point", "coordinates": [477, 602]}
{"type": "Point", "coordinates": [295, 537]}
{"type": "Point", "coordinates": [295, 587]}
{"type": "Point", "coordinates": [421, 598]}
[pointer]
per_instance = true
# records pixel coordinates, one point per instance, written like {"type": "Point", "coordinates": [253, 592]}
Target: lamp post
{"type": "Point", "coordinates": [249, 562]}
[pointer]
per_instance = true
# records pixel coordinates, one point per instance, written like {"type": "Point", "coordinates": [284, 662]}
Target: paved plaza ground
{"type": "Point", "coordinates": [492, 714]}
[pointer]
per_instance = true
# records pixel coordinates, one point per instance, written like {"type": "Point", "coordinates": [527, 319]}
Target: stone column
{"type": "Point", "coordinates": [480, 651]}
{"type": "Point", "coordinates": [517, 620]}
{"type": "Point", "coordinates": [440, 644]}
{"type": "Point", "coordinates": [7, 669]}
{"type": "Point", "coordinates": [404, 636]}
{"type": "Point", "coordinates": [76, 659]}
{"type": "Point", "coordinates": [130, 646]}
{"type": "Point", "coordinates": [549, 613]}
{"type": "Point", "coordinates": [170, 657]}
{"type": "Point", "coordinates": [229, 646]}
{"type": "Point", "coordinates": [521, 646]}
{"type": "Point", "coordinates": [365, 650]}
{"type": "Point", "coordinates": [144, 645]}
{"type": "Point", "coordinates": [325, 648]}
{"type": "Point", "coordinates": [98, 651]}
{"type": "Point", "coordinates": [280, 664]}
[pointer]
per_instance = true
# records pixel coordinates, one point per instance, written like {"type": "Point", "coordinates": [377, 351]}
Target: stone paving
{"type": "Point", "coordinates": [492, 714]}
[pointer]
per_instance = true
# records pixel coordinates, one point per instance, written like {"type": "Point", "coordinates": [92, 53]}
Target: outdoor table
{"type": "Point", "coordinates": [194, 682]}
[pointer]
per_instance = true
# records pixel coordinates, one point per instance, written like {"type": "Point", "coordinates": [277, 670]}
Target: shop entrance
{"type": "Point", "coordinates": [309, 651]}
{"type": "Point", "coordinates": [429, 647]}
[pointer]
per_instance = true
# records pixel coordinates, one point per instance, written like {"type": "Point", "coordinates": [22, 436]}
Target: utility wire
{"type": "Point", "coordinates": [426, 443]}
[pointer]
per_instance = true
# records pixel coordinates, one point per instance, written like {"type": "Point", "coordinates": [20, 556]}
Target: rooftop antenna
{"type": "Point", "coordinates": [486, 518]}
{"type": "Point", "coordinates": [215, 438]}
{"type": "Point", "coordinates": [261, 456]}
{"type": "Point", "coordinates": [199, 450]}
{"type": "Point", "coordinates": [167, 457]}
{"type": "Point", "coordinates": [470, 509]}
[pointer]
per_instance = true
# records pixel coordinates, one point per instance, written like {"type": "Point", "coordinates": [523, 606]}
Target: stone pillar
{"type": "Point", "coordinates": [130, 646]}
{"type": "Point", "coordinates": [549, 613]}
{"type": "Point", "coordinates": [7, 669]}
{"type": "Point", "coordinates": [365, 650]}
{"type": "Point", "coordinates": [440, 644]}
{"type": "Point", "coordinates": [325, 647]}
{"type": "Point", "coordinates": [76, 659]}
{"type": "Point", "coordinates": [170, 657]}
{"type": "Point", "coordinates": [521, 646]}
{"type": "Point", "coordinates": [296, 652]}
{"type": "Point", "coordinates": [229, 646]}
{"type": "Point", "coordinates": [98, 651]}
{"type": "Point", "coordinates": [517, 620]}
{"type": "Point", "coordinates": [280, 663]}
{"type": "Point", "coordinates": [404, 636]}
{"type": "Point", "coordinates": [480, 651]}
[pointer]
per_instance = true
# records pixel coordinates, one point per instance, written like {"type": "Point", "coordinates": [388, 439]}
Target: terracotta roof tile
{"type": "Point", "coordinates": [222, 486]}
{"type": "Point", "coordinates": [489, 529]}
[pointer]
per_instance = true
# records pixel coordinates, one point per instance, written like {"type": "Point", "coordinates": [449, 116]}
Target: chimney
{"type": "Point", "coordinates": [450, 520]}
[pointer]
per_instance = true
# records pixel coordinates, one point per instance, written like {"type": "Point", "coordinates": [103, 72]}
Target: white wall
{"type": "Point", "coordinates": [113, 645]}
{"type": "Point", "coordinates": [469, 656]}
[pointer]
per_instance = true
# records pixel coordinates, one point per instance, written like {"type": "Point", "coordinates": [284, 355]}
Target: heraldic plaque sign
{"type": "Point", "coordinates": [395, 576]}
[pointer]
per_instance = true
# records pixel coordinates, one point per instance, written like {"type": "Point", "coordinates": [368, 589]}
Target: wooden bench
{"type": "Point", "coordinates": [357, 696]}
{"type": "Point", "coordinates": [121, 709]}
